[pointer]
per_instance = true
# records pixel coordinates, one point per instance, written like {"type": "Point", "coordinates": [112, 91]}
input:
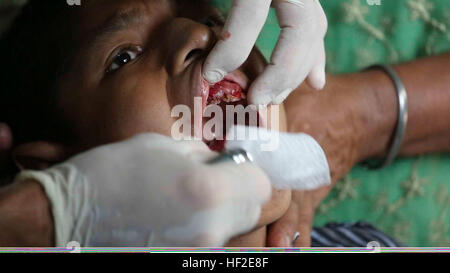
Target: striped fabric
{"type": "Point", "coordinates": [357, 234]}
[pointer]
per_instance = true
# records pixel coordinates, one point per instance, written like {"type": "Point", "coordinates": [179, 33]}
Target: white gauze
{"type": "Point", "coordinates": [292, 161]}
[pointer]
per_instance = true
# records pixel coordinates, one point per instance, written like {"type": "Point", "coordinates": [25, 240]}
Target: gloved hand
{"type": "Point", "coordinates": [299, 53]}
{"type": "Point", "coordinates": [152, 191]}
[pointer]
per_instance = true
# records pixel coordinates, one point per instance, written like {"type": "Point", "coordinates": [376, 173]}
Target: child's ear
{"type": "Point", "coordinates": [39, 155]}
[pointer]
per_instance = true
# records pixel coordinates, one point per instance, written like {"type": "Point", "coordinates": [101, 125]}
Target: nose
{"type": "Point", "coordinates": [187, 40]}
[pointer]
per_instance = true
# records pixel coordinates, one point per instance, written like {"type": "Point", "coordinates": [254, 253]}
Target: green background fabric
{"type": "Point", "coordinates": [410, 199]}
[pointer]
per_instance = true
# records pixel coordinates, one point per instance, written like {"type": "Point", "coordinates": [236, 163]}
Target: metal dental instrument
{"type": "Point", "coordinates": [239, 156]}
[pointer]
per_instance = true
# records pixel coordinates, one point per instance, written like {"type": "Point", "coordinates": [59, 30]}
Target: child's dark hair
{"type": "Point", "coordinates": [35, 52]}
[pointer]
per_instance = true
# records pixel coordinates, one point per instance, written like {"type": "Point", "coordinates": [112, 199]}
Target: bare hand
{"type": "Point", "coordinates": [337, 119]}
{"type": "Point", "coordinates": [5, 145]}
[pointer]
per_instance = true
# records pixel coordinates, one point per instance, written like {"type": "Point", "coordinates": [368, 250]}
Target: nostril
{"type": "Point", "coordinates": [193, 54]}
{"type": "Point", "coordinates": [193, 42]}
{"type": "Point", "coordinates": [209, 23]}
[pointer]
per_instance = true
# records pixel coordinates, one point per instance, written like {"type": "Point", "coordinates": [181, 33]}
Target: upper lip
{"type": "Point", "coordinates": [201, 86]}
{"type": "Point", "coordinates": [238, 77]}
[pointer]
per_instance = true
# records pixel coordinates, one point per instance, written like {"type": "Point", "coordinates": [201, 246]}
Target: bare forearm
{"type": "Point", "coordinates": [25, 216]}
{"type": "Point", "coordinates": [355, 116]}
{"type": "Point", "coordinates": [427, 82]}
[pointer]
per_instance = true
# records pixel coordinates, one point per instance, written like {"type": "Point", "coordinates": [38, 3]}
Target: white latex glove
{"type": "Point", "coordinates": [152, 191]}
{"type": "Point", "coordinates": [299, 52]}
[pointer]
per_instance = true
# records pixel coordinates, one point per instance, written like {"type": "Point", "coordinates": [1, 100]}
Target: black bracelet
{"type": "Point", "coordinates": [402, 119]}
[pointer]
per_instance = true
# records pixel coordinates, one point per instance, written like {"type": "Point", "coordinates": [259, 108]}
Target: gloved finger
{"type": "Point", "coordinates": [244, 23]}
{"type": "Point", "coordinates": [317, 78]}
{"type": "Point", "coordinates": [189, 148]}
{"type": "Point", "coordinates": [295, 53]}
{"type": "Point", "coordinates": [281, 77]}
{"type": "Point", "coordinates": [230, 195]}
{"type": "Point", "coordinates": [282, 232]}
{"type": "Point", "coordinates": [250, 190]}
{"type": "Point", "coordinates": [208, 186]}
{"type": "Point", "coordinates": [243, 182]}
{"type": "Point", "coordinates": [5, 143]}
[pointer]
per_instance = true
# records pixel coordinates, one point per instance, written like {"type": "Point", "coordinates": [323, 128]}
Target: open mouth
{"type": "Point", "coordinates": [230, 91]}
{"type": "Point", "coordinates": [225, 92]}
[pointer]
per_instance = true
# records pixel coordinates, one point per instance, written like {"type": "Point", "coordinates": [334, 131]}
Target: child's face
{"type": "Point", "coordinates": [137, 60]}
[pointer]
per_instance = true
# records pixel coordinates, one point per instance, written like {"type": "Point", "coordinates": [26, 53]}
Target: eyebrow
{"type": "Point", "coordinates": [118, 22]}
